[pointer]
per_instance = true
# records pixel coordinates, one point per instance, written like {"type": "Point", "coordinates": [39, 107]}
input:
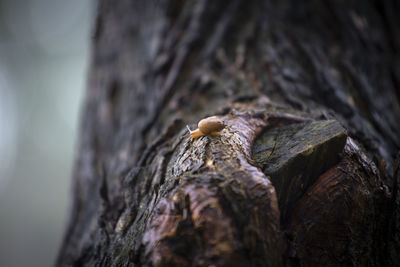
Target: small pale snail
{"type": "Point", "coordinates": [208, 126]}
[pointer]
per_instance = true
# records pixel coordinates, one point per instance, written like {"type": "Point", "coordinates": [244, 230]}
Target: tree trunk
{"type": "Point", "coordinates": [303, 172]}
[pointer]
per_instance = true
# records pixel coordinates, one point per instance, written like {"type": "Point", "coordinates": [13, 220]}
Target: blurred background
{"type": "Point", "coordinates": [44, 55]}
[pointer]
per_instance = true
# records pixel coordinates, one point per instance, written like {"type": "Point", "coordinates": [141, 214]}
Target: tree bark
{"type": "Point", "coordinates": [304, 171]}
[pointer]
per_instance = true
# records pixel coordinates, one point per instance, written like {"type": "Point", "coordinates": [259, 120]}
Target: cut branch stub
{"type": "Point", "coordinates": [224, 212]}
{"type": "Point", "coordinates": [295, 155]}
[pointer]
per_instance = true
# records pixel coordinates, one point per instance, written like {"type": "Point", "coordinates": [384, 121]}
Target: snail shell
{"type": "Point", "coordinates": [211, 124]}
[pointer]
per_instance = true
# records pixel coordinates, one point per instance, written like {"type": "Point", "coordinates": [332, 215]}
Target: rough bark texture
{"type": "Point", "coordinates": [304, 172]}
